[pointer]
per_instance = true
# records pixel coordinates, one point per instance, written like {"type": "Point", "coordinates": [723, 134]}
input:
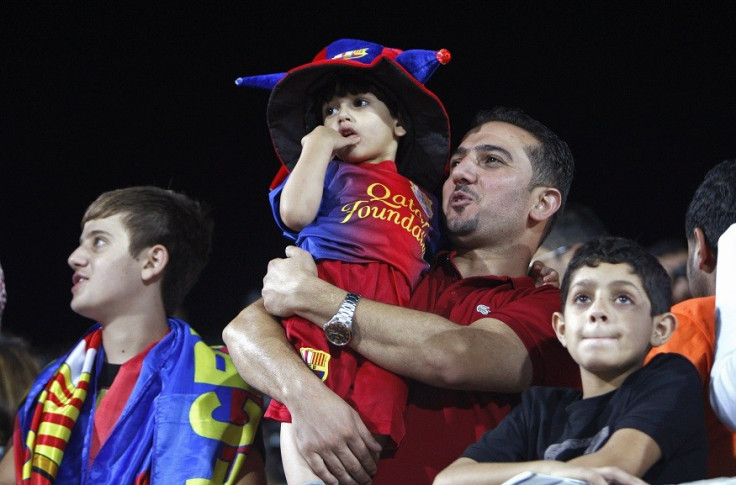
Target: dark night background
{"type": "Point", "coordinates": [101, 95]}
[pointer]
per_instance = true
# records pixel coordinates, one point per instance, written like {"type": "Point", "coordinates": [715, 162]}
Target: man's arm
{"type": "Point", "coordinates": [628, 454]}
{"type": "Point", "coordinates": [7, 467]}
{"type": "Point", "coordinates": [415, 344]}
{"type": "Point", "coordinates": [723, 374]}
{"type": "Point", "coordinates": [330, 434]}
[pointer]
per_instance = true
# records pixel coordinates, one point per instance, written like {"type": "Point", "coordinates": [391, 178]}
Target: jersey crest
{"type": "Point", "coordinates": [317, 360]}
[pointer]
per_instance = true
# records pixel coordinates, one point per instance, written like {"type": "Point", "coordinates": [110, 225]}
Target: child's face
{"type": "Point", "coordinates": [106, 277]}
{"type": "Point", "coordinates": [369, 118]}
{"type": "Point", "coordinates": [607, 326]}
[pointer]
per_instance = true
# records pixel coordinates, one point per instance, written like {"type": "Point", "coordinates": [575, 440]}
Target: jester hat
{"type": "Point", "coordinates": [290, 114]}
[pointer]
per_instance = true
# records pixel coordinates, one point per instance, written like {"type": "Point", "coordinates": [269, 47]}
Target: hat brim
{"type": "Point", "coordinates": [423, 152]}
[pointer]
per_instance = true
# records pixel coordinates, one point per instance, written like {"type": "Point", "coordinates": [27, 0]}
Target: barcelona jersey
{"type": "Point", "coordinates": [369, 213]}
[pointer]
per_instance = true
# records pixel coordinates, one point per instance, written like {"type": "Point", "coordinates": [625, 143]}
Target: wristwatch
{"type": "Point", "coordinates": [339, 330]}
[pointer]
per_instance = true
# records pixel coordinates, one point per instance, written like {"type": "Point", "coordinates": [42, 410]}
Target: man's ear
{"type": "Point", "coordinates": [558, 324]}
{"type": "Point", "coordinates": [154, 260]}
{"type": "Point", "coordinates": [547, 201]}
{"type": "Point", "coordinates": [664, 325]}
{"type": "Point", "coordinates": [704, 257]}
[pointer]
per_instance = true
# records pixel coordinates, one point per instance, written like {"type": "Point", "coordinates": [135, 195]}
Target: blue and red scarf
{"type": "Point", "coordinates": [189, 417]}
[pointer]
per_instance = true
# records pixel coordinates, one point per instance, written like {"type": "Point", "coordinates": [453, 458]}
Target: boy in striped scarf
{"type": "Point", "coordinates": [140, 398]}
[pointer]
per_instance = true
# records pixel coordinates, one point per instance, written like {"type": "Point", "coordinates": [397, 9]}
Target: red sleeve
{"type": "Point", "coordinates": [528, 312]}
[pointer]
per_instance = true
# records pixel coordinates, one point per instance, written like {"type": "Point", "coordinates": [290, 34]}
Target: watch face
{"type": "Point", "coordinates": [338, 333]}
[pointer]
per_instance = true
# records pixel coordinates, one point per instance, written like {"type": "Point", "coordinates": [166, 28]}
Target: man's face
{"type": "Point", "coordinates": [105, 274]}
{"type": "Point", "coordinates": [675, 263]}
{"type": "Point", "coordinates": [487, 197]}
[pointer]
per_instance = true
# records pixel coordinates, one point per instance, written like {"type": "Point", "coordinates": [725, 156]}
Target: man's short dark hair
{"type": "Point", "coordinates": [618, 250]}
{"type": "Point", "coordinates": [552, 161]}
{"type": "Point", "coordinates": [713, 207]}
{"type": "Point", "coordinates": [153, 215]}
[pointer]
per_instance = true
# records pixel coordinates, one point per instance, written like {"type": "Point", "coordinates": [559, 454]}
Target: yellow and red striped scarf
{"type": "Point", "coordinates": [56, 411]}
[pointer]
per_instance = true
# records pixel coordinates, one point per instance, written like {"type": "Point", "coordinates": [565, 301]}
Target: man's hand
{"type": "Point", "coordinates": [333, 440]}
{"type": "Point", "coordinates": [286, 281]}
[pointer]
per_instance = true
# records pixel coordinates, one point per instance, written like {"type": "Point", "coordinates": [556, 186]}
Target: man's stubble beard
{"type": "Point", "coordinates": [462, 227]}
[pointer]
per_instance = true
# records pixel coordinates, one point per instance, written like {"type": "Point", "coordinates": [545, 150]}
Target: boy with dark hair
{"type": "Point", "coordinates": [630, 420]}
{"type": "Point", "coordinates": [141, 398]}
{"type": "Point", "coordinates": [365, 144]}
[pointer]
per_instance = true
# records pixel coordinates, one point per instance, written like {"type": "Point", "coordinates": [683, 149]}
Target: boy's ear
{"type": "Point", "coordinates": [154, 261]}
{"type": "Point", "coordinates": [664, 325]}
{"type": "Point", "coordinates": [704, 257]}
{"type": "Point", "coordinates": [547, 201]}
{"type": "Point", "coordinates": [558, 324]}
{"type": "Point", "coordinates": [399, 129]}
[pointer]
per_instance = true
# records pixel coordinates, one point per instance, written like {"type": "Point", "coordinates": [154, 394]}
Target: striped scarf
{"type": "Point", "coordinates": [190, 418]}
{"type": "Point", "coordinates": [56, 411]}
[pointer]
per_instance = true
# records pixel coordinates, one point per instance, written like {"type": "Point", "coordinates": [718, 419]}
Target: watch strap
{"type": "Point", "coordinates": [347, 307]}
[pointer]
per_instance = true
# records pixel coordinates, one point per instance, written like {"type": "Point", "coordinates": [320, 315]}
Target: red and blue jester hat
{"type": "Point", "coordinates": [423, 153]}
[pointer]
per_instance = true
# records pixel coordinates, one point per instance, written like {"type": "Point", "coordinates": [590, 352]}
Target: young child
{"type": "Point", "coordinates": [141, 398]}
{"type": "Point", "coordinates": [630, 420]}
{"type": "Point", "coordinates": [365, 143]}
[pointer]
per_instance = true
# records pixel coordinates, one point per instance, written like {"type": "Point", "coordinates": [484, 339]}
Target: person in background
{"type": "Point", "coordinates": [576, 225]}
{"type": "Point", "coordinates": [3, 296]}
{"type": "Point", "coordinates": [711, 212]}
{"type": "Point", "coordinates": [723, 374]}
{"type": "Point", "coordinates": [18, 369]}
{"type": "Point", "coordinates": [672, 253]}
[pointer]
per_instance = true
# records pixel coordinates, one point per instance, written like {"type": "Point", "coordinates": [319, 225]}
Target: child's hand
{"type": "Point", "coordinates": [544, 275]}
{"type": "Point", "coordinates": [327, 137]}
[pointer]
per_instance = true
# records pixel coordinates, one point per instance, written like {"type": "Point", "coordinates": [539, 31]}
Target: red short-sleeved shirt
{"type": "Point", "coordinates": [441, 423]}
